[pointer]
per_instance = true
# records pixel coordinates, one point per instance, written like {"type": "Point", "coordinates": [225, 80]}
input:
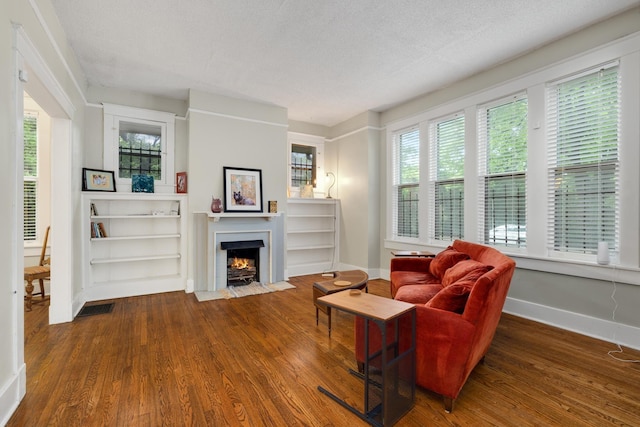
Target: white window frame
{"type": "Point", "coordinates": [321, 186]}
{"type": "Point", "coordinates": [585, 254]}
{"type": "Point", "coordinates": [113, 116]}
{"type": "Point", "coordinates": [536, 255]}
{"type": "Point", "coordinates": [395, 171]}
{"type": "Point", "coordinates": [434, 179]}
{"type": "Point", "coordinates": [482, 157]}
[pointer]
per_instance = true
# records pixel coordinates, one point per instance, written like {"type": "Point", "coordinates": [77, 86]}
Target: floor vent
{"type": "Point", "coordinates": [90, 310]}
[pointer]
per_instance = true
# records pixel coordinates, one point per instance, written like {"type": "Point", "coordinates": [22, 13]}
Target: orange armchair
{"type": "Point", "coordinates": [449, 344]}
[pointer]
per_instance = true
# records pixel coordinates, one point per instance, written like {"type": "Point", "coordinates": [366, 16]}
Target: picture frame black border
{"type": "Point", "coordinates": [228, 196]}
{"type": "Point", "coordinates": [87, 171]}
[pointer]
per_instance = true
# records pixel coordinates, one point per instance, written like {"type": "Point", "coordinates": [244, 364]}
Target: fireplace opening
{"type": "Point", "coordinates": [243, 261]}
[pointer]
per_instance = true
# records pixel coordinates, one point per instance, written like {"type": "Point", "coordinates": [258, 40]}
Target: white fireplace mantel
{"type": "Point", "coordinates": [216, 217]}
{"type": "Point", "coordinates": [213, 228]}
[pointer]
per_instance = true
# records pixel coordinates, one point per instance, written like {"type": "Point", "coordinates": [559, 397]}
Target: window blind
{"type": "Point", "coordinates": [446, 180]}
{"type": "Point", "coordinates": [406, 179]}
{"type": "Point", "coordinates": [502, 164]}
{"type": "Point", "coordinates": [583, 137]}
{"type": "Point", "coordinates": [30, 155]}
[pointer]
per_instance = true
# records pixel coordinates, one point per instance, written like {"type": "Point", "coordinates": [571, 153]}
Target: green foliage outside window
{"type": "Point", "coordinates": [505, 183]}
{"type": "Point", "coordinates": [449, 186]}
{"type": "Point", "coordinates": [407, 152]}
{"type": "Point", "coordinates": [140, 153]}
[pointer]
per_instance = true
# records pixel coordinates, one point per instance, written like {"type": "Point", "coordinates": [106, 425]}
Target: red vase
{"type": "Point", "coordinates": [216, 205]}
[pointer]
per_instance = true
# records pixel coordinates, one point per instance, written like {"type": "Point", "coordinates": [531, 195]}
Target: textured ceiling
{"type": "Point", "coordinates": [323, 60]}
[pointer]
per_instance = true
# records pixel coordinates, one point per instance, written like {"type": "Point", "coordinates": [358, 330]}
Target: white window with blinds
{"type": "Point", "coordinates": [406, 179]}
{"type": "Point", "coordinates": [446, 178]}
{"type": "Point", "coordinates": [30, 134]}
{"type": "Point", "coordinates": [502, 166]}
{"type": "Point", "coordinates": [583, 154]}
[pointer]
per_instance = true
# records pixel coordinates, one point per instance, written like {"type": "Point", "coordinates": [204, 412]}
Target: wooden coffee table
{"type": "Point", "coordinates": [340, 280]}
{"type": "Point", "coordinates": [388, 376]}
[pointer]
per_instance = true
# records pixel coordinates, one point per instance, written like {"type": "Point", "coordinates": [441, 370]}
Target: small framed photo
{"type": "Point", "coordinates": [98, 180]}
{"type": "Point", "coordinates": [242, 190]}
{"type": "Point", "coordinates": [181, 182]}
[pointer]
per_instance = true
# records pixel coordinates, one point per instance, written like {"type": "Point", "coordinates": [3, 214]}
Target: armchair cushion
{"type": "Point", "coordinates": [418, 294]}
{"type": "Point", "coordinates": [452, 298]}
{"type": "Point", "coordinates": [445, 260]}
{"type": "Point", "coordinates": [471, 268]}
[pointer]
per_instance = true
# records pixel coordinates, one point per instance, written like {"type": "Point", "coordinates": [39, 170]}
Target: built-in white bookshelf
{"type": "Point", "coordinates": [313, 235]}
{"type": "Point", "coordinates": [133, 244]}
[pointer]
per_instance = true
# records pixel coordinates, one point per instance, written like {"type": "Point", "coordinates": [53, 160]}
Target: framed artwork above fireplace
{"type": "Point", "coordinates": [242, 189]}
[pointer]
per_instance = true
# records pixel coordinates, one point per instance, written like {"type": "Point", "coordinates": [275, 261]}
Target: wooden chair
{"type": "Point", "coordinates": [40, 272]}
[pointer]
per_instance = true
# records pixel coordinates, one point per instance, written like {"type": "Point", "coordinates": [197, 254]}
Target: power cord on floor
{"type": "Point", "coordinates": [613, 353]}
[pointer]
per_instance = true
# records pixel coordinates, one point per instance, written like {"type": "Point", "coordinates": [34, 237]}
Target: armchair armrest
{"type": "Point", "coordinates": [444, 344]}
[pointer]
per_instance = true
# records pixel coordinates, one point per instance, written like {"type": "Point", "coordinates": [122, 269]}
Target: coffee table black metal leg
{"type": "Point", "coordinates": [344, 404]}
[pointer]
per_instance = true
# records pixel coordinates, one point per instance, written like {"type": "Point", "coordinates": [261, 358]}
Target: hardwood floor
{"type": "Point", "coordinates": [169, 360]}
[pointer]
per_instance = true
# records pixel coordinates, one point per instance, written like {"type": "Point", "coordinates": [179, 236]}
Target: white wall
{"type": "Point", "coordinates": [353, 152]}
{"type": "Point", "coordinates": [11, 357]}
{"type": "Point", "coordinates": [231, 132]}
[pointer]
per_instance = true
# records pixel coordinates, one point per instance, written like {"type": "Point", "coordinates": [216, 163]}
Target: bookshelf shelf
{"type": "Point", "coordinates": [133, 244]}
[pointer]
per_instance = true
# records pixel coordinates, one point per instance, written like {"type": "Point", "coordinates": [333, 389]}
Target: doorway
{"type": "Point", "coordinates": [35, 78]}
{"type": "Point", "coordinates": [36, 181]}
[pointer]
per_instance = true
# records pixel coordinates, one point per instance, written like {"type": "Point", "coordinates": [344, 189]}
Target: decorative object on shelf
{"type": "Point", "coordinates": [603, 253]}
{"type": "Point", "coordinates": [273, 206]}
{"type": "Point", "coordinates": [242, 190]}
{"type": "Point", "coordinates": [306, 191]}
{"type": "Point", "coordinates": [142, 184]}
{"type": "Point", "coordinates": [181, 182]}
{"type": "Point", "coordinates": [98, 180]}
{"type": "Point", "coordinates": [333, 181]}
{"type": "Point", "coordinates": [216, 205]}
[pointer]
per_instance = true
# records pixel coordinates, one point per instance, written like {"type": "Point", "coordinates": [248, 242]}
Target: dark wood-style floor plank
{"type": "Point", "coordinates": [169, 360]}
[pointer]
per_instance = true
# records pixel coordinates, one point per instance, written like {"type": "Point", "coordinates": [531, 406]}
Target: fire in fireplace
{"type": "Point", "coordinates": [243, 261]}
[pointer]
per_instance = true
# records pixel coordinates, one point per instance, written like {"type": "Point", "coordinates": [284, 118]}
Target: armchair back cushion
{"type": "Point", "coordinates": [445, 260]}
{"type": "Point", "coordinates": [468, 269]}
{"type": "Point", "coordinates": [452, 298]}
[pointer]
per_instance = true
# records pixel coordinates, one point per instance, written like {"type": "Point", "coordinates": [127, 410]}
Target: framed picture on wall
{"type": "Point", "coordinates": [181, 182]}
{"type": "Point", "coordinates": [98, 180]}
{"type": "Point", "coordinates": [242, 190]}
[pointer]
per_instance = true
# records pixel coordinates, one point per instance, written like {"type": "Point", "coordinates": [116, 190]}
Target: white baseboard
{"type": "Point", "coordinates": [373, 273]}
{"type": "Point", "coordinates": [606, 330]}
{"type": "Point", "coordinates": [11, 394]}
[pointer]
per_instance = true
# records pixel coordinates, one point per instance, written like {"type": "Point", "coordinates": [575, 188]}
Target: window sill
{"type": "Point", "coordinates": [588, 270]}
